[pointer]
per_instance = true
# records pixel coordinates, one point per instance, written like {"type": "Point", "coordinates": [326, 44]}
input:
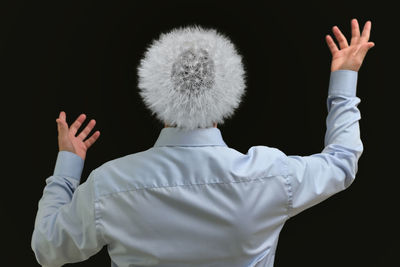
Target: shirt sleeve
{"type": "Point", "coordinates": [314, 178]}
{"type": "Point", "coordinates": [66, 228]}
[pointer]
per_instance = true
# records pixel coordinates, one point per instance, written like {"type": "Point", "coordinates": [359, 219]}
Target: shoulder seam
{"type": "Point", "coordinates": [97, 216]}
{"type": "Point", "coordinates": [288, 184]}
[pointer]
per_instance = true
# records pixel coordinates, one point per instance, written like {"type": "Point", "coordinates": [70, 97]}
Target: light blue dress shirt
{"type": "Point", "coordinates": [190, 200]}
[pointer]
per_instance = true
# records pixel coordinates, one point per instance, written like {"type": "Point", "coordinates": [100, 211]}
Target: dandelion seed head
{"type": "Point", "coordinates": [191, 77]}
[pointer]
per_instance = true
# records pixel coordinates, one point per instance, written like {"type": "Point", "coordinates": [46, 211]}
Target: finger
{"type": "Point", "coordinates": [77, 123]}
{"type": "Point", "coordinates": [331, 44]}
{"type": "Point", "coordinates": [340, 37]}
{"type": "Point", "coordinates": [87, 130]}
{"type": "Point", "coordinates": [90, 141]}
{"type": "Point", "coordinates": [63, 116]}
{"type": "Point", "coordinates": [366, 31]}
{"type": "Point", "coordinates": [355, 32]}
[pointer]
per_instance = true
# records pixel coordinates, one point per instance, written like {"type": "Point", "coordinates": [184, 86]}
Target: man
{"type": "Point", "coordinates": [190, 200]}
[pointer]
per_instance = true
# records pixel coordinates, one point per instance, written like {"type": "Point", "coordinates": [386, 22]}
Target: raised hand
{"type": "Point", "coordinates": [67, 140]}
{"type": "Point", "coordinates": [349, 57]}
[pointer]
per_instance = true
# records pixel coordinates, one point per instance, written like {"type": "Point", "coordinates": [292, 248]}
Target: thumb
{"type": "Point", "coordinates": [364, 48]}
{"type": "Point", "coordinates": [62, 127]}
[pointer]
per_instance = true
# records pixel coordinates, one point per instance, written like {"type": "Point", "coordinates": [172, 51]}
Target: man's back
{"type": "Point", "coordinates": [197, 203]}
{"type": "Point", "coordinates": [191, 200]}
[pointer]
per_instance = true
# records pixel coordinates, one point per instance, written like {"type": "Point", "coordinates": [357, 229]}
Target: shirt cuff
{"type": "Point", "coordinates": [343, 82]}
{"type": "Point", "coordinates": [68, 164]}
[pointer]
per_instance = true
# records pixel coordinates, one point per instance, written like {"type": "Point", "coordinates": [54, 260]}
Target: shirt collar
{"type": "Point", "coordinates": [173, 136]}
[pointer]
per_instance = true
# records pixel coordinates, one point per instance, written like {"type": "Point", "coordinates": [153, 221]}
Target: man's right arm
{"type": "Point", "coordinates": [316, 177]}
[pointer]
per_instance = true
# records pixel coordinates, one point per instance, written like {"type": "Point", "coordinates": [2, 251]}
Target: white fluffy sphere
{"type": "Point", "coordinates": [191, 77]}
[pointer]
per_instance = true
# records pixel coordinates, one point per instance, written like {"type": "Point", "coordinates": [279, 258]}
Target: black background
{"type": "Point", "coordinates": [81, 57]}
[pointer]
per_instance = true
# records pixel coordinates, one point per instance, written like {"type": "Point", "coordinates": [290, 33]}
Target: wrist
{"type": "Point", "coordinates": [352, 67]}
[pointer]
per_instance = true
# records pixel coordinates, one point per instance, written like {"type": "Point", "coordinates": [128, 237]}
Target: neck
{"type": "Point", "coordinates": [166, 125]}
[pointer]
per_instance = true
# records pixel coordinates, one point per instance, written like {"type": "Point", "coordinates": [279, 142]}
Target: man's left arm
{"type": "Point", "coordinates": [66, 227]}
